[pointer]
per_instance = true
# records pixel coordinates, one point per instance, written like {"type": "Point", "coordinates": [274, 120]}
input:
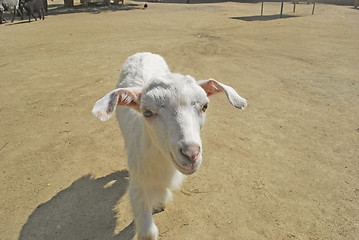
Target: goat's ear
{"type": "Point", "coordinates": [104, 108]}
{"type": "Point", "coordinates": [212, 86]}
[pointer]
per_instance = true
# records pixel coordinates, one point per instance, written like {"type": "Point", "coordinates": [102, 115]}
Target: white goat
{"type": "Point", "coordinates": [160, 117]}
{"type": "Point", "coordinates": [11, 5]}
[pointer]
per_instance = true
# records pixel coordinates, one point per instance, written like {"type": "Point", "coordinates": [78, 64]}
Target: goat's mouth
{"type": "Point", "coordinates": [183, 169]}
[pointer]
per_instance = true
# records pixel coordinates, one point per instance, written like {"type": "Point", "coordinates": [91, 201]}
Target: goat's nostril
{"type": "Point", "coordinates": [191, 151]}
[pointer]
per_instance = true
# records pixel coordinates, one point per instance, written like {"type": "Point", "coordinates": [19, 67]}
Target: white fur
{"type": "Point", "coordinates": [160, 117]}
{"type": "Point", "coordinates": [11, 5]}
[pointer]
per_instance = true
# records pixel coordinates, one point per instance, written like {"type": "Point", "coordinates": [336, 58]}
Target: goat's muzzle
{"type": "Point", "coordinates": [191, 152]}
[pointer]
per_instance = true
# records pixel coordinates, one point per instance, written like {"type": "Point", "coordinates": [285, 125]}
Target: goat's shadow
{"type": "Point", "coordinates": [59, 9]}
{"type": "Point", "coordinates": [82, 211]}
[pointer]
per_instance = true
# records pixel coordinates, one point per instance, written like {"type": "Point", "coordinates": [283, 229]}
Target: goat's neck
{"type": "Point", "coordinates": [151, 163]}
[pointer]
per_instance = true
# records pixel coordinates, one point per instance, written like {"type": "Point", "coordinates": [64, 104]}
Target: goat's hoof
{"type": "Point", "coordinates": [152, 234]}
{"type": "Point", "coordinates": [158, 210]}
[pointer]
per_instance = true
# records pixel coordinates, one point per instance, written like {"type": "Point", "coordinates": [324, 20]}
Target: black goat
{"type": "Point", "coordinates": [33, 6]}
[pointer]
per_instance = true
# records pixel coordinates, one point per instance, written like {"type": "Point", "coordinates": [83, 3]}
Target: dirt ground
{"type": "Point", "coordinates": [287, 167]}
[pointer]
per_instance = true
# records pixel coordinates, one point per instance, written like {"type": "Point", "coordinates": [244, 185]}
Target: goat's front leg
{"type": "Point", "coordinates": [34, 16]}
{"type": "Point", "coordinates": [142, 210]}
{"type": "Point", "coordinates": [164, 195]}
{"type": "Point", "coordinates": [13, 17]}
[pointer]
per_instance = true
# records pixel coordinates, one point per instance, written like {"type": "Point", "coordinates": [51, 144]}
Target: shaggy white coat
{"type": "Point", "coordinates": [160, 117]}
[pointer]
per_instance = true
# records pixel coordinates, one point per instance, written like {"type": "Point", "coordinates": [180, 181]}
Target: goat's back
{"type": "Point", "coordinates": [9, 4]}
{"type": "Point", "coordinates": [137, 71]}
{"type": "Point", "coordinates": [34, 5]}
{"type": "Point", "coordinates": [140, 68]}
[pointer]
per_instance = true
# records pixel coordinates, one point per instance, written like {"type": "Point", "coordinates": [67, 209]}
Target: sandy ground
{"type": "Point", "coordinates": [287, 167]}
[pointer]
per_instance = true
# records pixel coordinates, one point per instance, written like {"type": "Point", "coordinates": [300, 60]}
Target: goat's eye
{"type": "Point", "coordinates": [148, 113]}
{"type": "Point", "coordinates": [204, 107]}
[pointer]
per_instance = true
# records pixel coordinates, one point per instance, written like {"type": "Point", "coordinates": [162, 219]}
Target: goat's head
{"type": "Point", "coordinates": [173, 110]}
